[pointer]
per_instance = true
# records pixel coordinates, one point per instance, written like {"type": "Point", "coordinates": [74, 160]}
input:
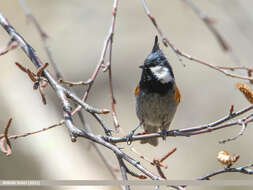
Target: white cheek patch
{"type": "Point", "coordinates": [162, 73]}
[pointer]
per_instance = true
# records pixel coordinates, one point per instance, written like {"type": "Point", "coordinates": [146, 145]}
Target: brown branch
{"type": "Point", "coordinates": [5, 144]}
{"type": "Point", "coordinates": [70, 84]}
{"type": "Point", "coordinates": [14, 137]}
{"type": "Point", "coordinates": [168, 154]}
{"type": "Point", "coordinates": [10, 46]}
{"type": "Point", "coordinates": [113, 101]}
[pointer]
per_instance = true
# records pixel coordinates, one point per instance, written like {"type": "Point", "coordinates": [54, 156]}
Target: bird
{"type": "Point", "coordinates": [157, 95]}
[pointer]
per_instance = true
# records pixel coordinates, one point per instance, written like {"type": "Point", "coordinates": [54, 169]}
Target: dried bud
{"type": "Point", "coordinates": [227, 159]}
{"type": "Point", "coordinates": [245, 89]}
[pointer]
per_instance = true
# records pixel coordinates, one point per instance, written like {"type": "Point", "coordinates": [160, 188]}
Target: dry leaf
{"type": "Point", "coordinates": [227, 159]}
{"type": "Point", "coordinates": [5, 146]}
{"type": "Point", "coordinates": [245, 89]}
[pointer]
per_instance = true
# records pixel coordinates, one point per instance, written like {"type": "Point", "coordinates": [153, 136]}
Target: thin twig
{"type": "Point", "coordinates": [167, 43]}
{"type": "Point", "coordinates": [70, 84]}
{"type": "Point", "coordinates": [43, 36]}
{"type": "Point", "coordinates": [101, 60]}
{"type": "Point", "coordinates": [210, 24]}
{"type": "Point", "coordinates": [113, 101]}
{"type": "Point", "coordinates": [123, 171]}
{"type": "Point", "coordinates": [5, 144]}
{"type": "Point", "coordinates": [37, 131]}
{"type": "Point", "coordinates": [168, 154]}
{"type": "Point", "coordinates": [243, 125]}
{"type": "Point", "coordinates": [242, 170]}
{"type": "Point", "coordinates": [61, 92]}
{"type": "Point", "coordinates": [10, 46]}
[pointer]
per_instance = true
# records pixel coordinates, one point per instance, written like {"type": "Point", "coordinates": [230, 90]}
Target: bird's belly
{"type": "Point", "coordinates": [155, 109]}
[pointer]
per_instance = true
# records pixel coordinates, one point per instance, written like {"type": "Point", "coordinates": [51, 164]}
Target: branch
{"type": "Point", "coordinates": [210, 24]}
{"type": "Point", "coordinates": [14, 137]}
{"type": "Point", "coordinates": [5, 144]}
{"type": "Point", "coordinates": [10, 46]}
{"type": "Point", "coordinates": [123, 171]}
{"type": "Point", "coordinates": [61, 92]}
{"type": "Point", "coordinates": [206, 128]}
{"type": "Point", "coordinates": [109, 66]}
{"type": "Point", "coordinates": [242, 170]}
{"type": "Point", "coordinates": [43, 36]}
{"type": "Point", "coordinates": [108, 40]}
{"type": "Point", "coordinates": [167, 43]}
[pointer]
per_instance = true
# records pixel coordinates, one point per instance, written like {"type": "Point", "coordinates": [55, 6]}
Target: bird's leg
{"type": "Point", "coordinates": [163, 132]}
{"type": "Point", "coordinates": [130, 135]}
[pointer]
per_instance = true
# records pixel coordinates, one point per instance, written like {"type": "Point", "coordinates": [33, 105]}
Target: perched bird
{"type": "Point", "coordinates": [157, 95]}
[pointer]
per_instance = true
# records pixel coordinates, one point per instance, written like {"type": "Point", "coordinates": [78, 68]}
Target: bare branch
{"type": "Point", "coordinates": [242, 170]}
{"type": "Point", "coordinates": [206, 128]}
{"type": "Point", "coordinates": [37, 131]}
{"type": "Point", "coordinates": [70, 84]}
{"type": "Point", "coordinates": [123, 171]}
{"type": "Point", "coordinates": [113, 101]}
{"type": "Point", "coordinates": [61, 92]}
{"type": "Point", "coordinates": [43, 36]}
{"type": "Point", "coordinates": [167, 43]}
{"type": "Point", "coordinates": [10, 46]}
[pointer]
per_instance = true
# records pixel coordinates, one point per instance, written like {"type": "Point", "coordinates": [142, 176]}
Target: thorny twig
{"type": "Point", "coordinates": [167, 43]}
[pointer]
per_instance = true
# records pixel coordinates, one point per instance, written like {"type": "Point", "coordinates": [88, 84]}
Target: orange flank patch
{"type": "Point", "coordinates": [137, 90]}
{"type": "Point", "coordinates": [177, 95]}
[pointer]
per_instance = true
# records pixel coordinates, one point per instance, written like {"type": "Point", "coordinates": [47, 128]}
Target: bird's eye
{"type": "Point", "coordinates": [151, 64]}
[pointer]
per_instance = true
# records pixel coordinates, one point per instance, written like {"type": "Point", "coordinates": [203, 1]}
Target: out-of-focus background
{"type": "Point", "coordinates": [77, 30]}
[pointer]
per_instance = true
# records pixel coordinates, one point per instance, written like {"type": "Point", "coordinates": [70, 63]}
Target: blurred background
{"type": "Point", "coordinates": [77, 30]}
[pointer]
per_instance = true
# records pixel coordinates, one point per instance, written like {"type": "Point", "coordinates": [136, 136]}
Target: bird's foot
{"type": "Point", "coordinates": [129, 137]}
{"type": "Point", "coordinates": [163, 134]}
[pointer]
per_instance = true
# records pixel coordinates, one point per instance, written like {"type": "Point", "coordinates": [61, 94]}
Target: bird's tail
{"type": "Point", "coordinates": [152, 141]}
